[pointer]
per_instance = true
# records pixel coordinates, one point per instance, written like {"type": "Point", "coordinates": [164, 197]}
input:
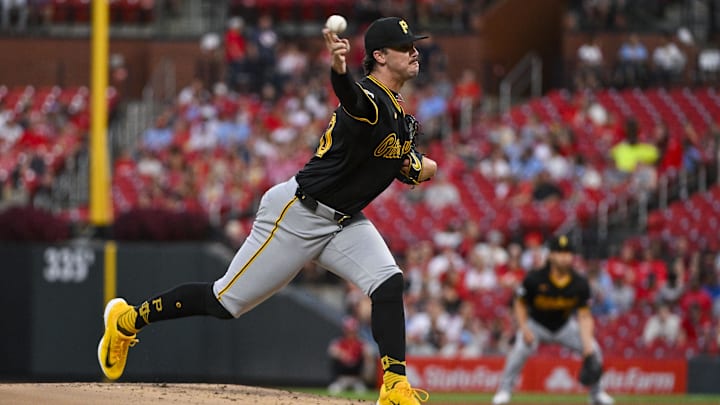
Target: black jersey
{"type": "Point", "coordinates": [362, 148]}
{"type": "Point", "coordinates": [549, 304]}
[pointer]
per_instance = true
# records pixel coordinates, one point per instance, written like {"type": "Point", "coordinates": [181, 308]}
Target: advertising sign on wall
{"type": "Point", "coordinates": [548, 374]}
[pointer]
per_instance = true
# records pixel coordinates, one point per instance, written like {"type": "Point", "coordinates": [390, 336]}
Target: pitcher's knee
{"type": "Point", "coordinates": [213, 306]}
{"type": "Point", "coordinates": [390, 290]}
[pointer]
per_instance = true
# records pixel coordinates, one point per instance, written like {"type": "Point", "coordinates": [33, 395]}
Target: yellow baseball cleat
{"type": "Point", "coordinates": [402, 394]}
{"type": "Point", "coordinates": [114, 345]}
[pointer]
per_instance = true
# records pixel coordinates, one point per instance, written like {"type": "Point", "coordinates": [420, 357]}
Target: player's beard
{"type": "Point", "coordinates": [561, 266]}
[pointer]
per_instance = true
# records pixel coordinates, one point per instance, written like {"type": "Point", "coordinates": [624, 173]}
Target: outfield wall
{"type": "Point", "coordinates": [55, 293]}
{"type": "Point", "coordinates": [53, 298]}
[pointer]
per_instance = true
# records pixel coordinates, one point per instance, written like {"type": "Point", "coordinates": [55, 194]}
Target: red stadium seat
{"type": "Point", "coordinates": [80, 11]}
{"type": "Point", "coordinates": [62, 11]}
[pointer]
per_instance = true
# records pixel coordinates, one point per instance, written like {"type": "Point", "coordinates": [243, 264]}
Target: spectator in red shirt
{"type": "Point", "coordinates": [680, 249]}
{"type": "Point", "coordinates": [453, 290]}
{"type": "Point", "coordinates": [470, 237]}
{"type": "Point", "coordinates": [511, 274]}
{"type": "Point", "coordinates": [467, 96]}
{"type": "Point", "coordinates": [696, 296]}
{"type": "Point", "coordinates": [625, 266]}
{"type": "Point", "coordinates": [235, 52]}
{"type": "Point", "coordinates": [697, 327]}
{"type": "Point", "coordinates": [651, 272]}
{"type": "Point", "coordinates": [347, 354]}
{"type": "Point", "coordinates": [124, 165]}
{"type": "Point", "coordinates": [670, 148]}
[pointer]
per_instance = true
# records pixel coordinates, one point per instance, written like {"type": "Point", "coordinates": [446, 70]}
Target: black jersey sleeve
{"type": "Point", "coordinates": [583, 293]}
{"type": "Point", "coordinates": [526, 290]}
{"type": "Point", "coordinates": [353, 99]}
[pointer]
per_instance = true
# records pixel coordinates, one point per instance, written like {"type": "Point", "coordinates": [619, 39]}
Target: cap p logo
{"type": "Point", "coordinates": [404, 26]}
{"type": "Point", "coordinates": [563, 242]}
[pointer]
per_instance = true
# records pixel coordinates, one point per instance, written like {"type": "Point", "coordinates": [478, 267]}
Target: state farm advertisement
{"type": "Point", "coordinates": [546, 374]}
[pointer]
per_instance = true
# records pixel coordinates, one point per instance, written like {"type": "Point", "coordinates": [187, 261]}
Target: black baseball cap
{"type": "Point", "coordinates": [389, 32]}
{"type": "Point", "coordinates": [561, 243]}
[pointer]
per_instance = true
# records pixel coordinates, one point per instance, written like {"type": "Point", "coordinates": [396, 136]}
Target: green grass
{"type": "Point", "coordinates": [527, 399]}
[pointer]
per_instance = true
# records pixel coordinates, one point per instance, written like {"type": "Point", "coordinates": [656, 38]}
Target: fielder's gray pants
{"type": "Point", "coordinates": [568, 336]}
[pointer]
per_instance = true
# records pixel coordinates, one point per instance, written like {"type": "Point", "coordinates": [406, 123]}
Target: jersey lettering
{"type": "Point", "coordinates": [326, 140]}
{"type": "Point", "coordinates": [406, 148]}
{"type": "Point", "coordinates": [390, 147]}
{"type": "Point", "coordinates": [548, 303]}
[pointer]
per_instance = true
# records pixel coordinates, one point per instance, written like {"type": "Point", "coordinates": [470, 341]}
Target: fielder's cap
{"type": "Point", "coordinates": [561, 243]}
{"type": "Point", "coordinates": [389, 32]}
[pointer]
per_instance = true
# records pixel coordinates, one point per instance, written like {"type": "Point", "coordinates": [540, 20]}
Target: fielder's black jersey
{"type": "Point", "coordinates": [362, 148]}
{"type": "Point", "coordinates": [550, 304]}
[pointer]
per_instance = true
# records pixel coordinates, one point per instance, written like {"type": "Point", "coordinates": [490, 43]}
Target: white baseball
{"type": "Point", "coordinates": [336, 23]}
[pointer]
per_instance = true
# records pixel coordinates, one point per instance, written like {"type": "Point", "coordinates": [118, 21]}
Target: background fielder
{"type": "Point", "coordinates": [543, 307]}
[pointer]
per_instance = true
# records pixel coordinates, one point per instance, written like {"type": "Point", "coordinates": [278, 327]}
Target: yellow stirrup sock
{"type": "Point", "coordinates": [126, 322]}
{"type": "Point", "coordinates": [390, 378]}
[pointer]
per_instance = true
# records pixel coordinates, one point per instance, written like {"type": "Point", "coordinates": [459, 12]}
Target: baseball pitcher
{"type": "Point", "coordinates": [317, 215]}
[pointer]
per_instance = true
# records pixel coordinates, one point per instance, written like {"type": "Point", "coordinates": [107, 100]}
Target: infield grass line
{"type": "Point", "coordinates": [536, 398]}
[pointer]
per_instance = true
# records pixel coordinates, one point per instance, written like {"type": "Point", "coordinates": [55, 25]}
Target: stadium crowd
{"type": "Point", "coordinates": [40, 128]}
{"type": "Point", "coordinates": [34, 16]}
{"type": "Point", "coordinates": [220, 144]}
{"type": "Point", "coordinates": [23, 16]}
{"type": "Point", "coordinates": [645, 303]}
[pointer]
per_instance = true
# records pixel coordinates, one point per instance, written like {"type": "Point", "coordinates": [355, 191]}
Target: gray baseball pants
{"type": "Point", "coordinates": [285, 236]}
{"type": "Point", "coordinates": [567, 336]}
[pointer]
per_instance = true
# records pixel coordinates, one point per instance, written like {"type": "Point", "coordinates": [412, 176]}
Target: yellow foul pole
{"type": "Point", "coordinates": [110, 276]}
{"type": "Point", "coordinates": [100, 202]}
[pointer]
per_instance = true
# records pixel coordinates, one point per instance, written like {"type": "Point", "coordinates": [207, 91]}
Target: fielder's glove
{"type": "Point", "coordinates": [591, 371]}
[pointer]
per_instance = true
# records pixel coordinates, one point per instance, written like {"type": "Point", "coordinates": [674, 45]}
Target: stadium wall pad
{"type": "Point", "coordinates": [703, 375]}
{"type": "Point", "coordinates": [54, 294]}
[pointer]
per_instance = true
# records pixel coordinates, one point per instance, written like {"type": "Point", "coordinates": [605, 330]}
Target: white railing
{"type": "Point", "coordinates": [682, 189]}
{"type": "Point", "coordinates": [139, 115]}
{"type": "Point", "coordinates": [526, 74]}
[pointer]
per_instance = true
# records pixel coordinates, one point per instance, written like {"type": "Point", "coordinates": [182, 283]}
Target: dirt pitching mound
{"type": "Point", "coordinates": [175, 394]}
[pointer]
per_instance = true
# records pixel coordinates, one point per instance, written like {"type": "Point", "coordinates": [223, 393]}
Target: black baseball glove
{"type": "Point", "coordinates": [413, 128]}
{"type": "Point", "coordinates": [415, 157]}
{"type": "Point", "coordinates": [591, 371]}
{"type": "Point", "coordinates": [413, 175]}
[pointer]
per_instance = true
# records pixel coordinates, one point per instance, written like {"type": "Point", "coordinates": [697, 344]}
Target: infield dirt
{"type": "Point", "coordinates": [175, 394]}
